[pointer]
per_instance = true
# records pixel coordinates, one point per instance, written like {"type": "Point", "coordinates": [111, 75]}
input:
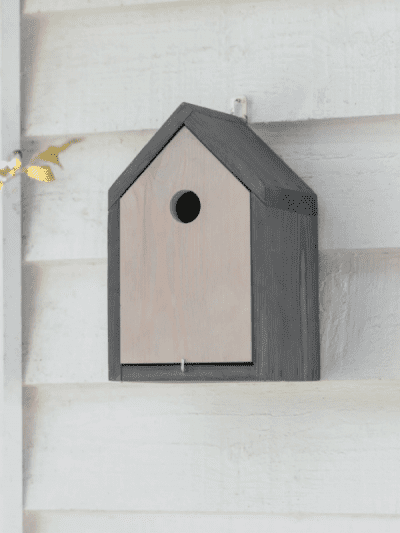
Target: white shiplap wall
{"type": "Point", "coordinates": [111, 457]}
{"type": "Point", "coordinates": [127, 67]}
{"type": "Point", "coordinates": [326, 447]}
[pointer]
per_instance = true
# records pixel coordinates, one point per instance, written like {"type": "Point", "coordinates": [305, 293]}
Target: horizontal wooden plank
{"type": "Point", "coordinates": [129, 68]}
{"type": "Point", "coordinates": [62, 226]}
{"type": "Point", "coordinates": [65, 322]}
{"type": "Point", "coordinates": [65, 318]}
{"type": "Point", "coordinates": [351, 164]}
{"type": "Point", "coordinates": [108, 522]}
{"type": "Point", "coordinates": [243, 447]}
{"type": "Point", "coordinates": [48, 6]}
{"type": "Point", "coordinates": [360, 314]}
{"type": "Point", "coordinates": [31, 7]}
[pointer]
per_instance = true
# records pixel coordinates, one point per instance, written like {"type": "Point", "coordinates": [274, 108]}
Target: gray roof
{"type": "Point", "coordinates": [238, 148]}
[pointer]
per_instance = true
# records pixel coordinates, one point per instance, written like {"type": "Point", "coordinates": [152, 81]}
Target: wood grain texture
{"type": "Point", "coordinates": [280, 326]}
{"type": "Point", "coordinates": [309, 296]}
{"type": "Point", "coordinates": [126, 522]}
{"type": "Point", "coordinates": [114, 293]}
{"type": "Point", "coordinates": [185, 288]}
{"type": "Point", "coordinates": [129, 68]}
{"type": "Point", "coordinates": [224, 448]}
{"type": "Point", "coordinates": [205, 373]}
{"type": "Point", "coordinates": [65, 321]}
{"type": "Point", "coordinates": [360, 312]}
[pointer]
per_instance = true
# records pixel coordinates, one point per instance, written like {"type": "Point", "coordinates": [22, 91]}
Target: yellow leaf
{"type": "Point", "coordinates": [4, 171]}
{"type": "Point", "coordinates": [1, 185]}
{"type": "Point", "coordinates": [39, 173]}
{"type": "Point", "coordinates": [17, 166]}
{"type": "Point", "coordinates": [51, 154]}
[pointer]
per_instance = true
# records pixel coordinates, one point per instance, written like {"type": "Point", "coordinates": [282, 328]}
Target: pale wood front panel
{"type": "Point", "coordinates": [185, 288]}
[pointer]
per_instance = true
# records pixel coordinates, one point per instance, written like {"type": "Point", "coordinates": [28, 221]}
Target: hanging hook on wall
{"type": "Point", "coordinates": [242, 100]}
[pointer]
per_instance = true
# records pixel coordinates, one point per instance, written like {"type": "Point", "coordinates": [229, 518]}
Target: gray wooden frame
{"type": "Point", "coordinates": [284, 257]}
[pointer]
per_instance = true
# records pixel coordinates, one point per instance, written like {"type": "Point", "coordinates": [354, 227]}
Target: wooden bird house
{"type": "Point", "coordinates": [212, 259]}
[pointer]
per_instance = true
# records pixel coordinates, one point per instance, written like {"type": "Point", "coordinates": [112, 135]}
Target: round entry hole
{"type": "Point", "coordinates": [185, 206]}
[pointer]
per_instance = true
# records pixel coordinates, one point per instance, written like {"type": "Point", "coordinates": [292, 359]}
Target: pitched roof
{"type": "Point", "coordinates": [238, 148]}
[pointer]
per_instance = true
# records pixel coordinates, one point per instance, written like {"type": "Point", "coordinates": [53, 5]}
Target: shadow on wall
{"type": "Point", "coordinates": [33, 30]}
{"type": "Point", "coordinates": [30, 411]}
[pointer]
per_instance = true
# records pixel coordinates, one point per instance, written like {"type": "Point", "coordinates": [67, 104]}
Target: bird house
{"type": "Point", "coordinates": [212, 259]}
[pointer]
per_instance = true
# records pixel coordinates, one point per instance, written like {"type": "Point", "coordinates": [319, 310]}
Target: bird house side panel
{"type": "Point", "coordinates": [185, 285]}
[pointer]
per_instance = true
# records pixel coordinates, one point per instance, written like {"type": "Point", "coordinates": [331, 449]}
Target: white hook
{"type": "Point", "coordinates": [183, 365]}
{"type": "Point", "coordinates": [243, 101]}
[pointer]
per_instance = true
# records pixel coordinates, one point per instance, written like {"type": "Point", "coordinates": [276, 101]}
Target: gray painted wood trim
{"type": "Point", "coordinates": [238, 148]}
{"type": "Point", "coordinates": [214, 114]}
{"type": "Point", "coordinates": [113, 288]}
{"type": "Point", "coordinates": [278, 237]}
{"type": "Point", "coordinates": [245, 151]}
{"type": "Point", "coordinates": [193, 372]}
{"type": "Point", "coordinates": [268, 274]}
{"type": "Point", "coordinates": [310, 312]}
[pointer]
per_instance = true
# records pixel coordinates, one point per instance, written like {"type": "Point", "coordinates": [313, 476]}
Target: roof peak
{"type": "Point", "coordinates": [210, 112]}
{"type": "Point", "coordinates": [230, 139]}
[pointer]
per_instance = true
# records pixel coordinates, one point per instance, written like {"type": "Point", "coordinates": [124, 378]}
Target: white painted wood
{"type": "Point", "coordinates": [180, 456]}
{"type": "Point", "coordinates": [59, 225]}
{"type": "Point", "coordinates": [106, 522]}
{"type": "Point", "coordinates": [65, 321]}
{"type": "Point", "coordinates": [48, 6]}
{"type": "Point", "coordinates": [67, 218]}
{"type": "Point", "coordinates": [129, 68]}
{"type": "Point", "coordinates": [313, 447]}
{"type": "Point", "coordinates": [351, 164]}
{"type": "Point", "coordinates": [10, 356]}
{"type": "Point", "coordinates": [360, 314]}
{"type": "Point", "coordinates": [65, 318]}
{"type": "Point", "coordinates": [10, 277]}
